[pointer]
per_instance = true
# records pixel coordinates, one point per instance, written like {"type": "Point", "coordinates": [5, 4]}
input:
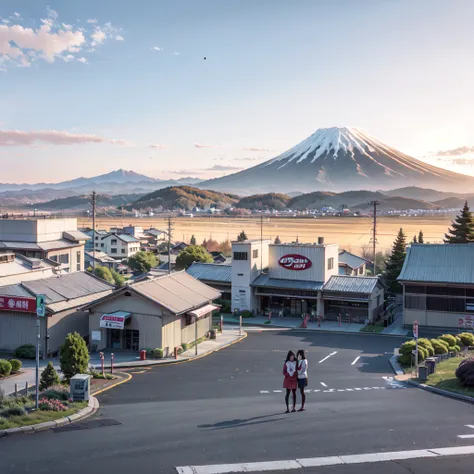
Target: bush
{"type": "Point", "coordinates": [406, 350]}
{"type": "Point", "coordinates": [53, 394]}
{"type": "Point", "coordinates": [467, 339]}
{"type": "Point", "coordinates": [425, 343]}
{"type": "Point", "coordinates": [440, 347]}
{"type": "Point", "coordinates": [16, 365]}
{"type": "Point", "coordinates": [74, 356]}
{"type": "Point", "coordinates": [449, 338]}
{"type": "Point", "coordinates": [457, 348]}
{"type": "Point", "coordinates": [465, 372]}
{"type": "Point", "coordinates": [13, 411]}
{"type": "Point", "coordinates": [5, 367]}
{"type": "Point", "coordinates": [49, 377]}
{"type": "Point", "coordinates": [51, 405]}
{"type": "Point", "coordinates": [98, 375]}
{"type": "Point", "coordinates": [157, 353]}
{"type": "Point", "coordinates": [185, 346]}
{"type": "Point", "coordinates": [404, 359]}
{"type": "Point", "coordinates": [246, 314]}
{"type": "Point", "coordinates": [27, 351]}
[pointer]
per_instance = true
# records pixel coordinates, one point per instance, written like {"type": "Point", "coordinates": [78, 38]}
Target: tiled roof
{"type": "Point", "coordinates": [265, 281]}
{"type": "Point", "coordinates": [211, 272]}
{"type": "Point", "coordinates": [14, 290]}
{"type": "Point", "coordinates": [351, 284]}
{"type": "Point", "coordinates": [127, 238]}
{"type": "Point", "coordinates": [351, 260]}
{"type": "Point", "coordinates": [439, 263]}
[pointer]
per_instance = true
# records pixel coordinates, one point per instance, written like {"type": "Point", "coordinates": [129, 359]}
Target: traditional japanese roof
{"type": "Point", "coordinates": [351, 284]}
{"type": "Point", "coordinates": [211, 272]}
{"type": "Point", "coordinates": [265, 281]}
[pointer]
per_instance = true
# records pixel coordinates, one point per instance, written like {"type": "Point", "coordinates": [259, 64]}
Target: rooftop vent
{"type": "Point", "coordinates": [320, 240]}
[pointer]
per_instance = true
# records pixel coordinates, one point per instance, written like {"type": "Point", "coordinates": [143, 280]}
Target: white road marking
{"type": "Point", "coordinates": [340, 390]}
{"type": "Point", "coordinates": [277, 391]}
{"type": "Point", "coordinates": [264, 391]}
{"type": "Point", "coordinates": [469, 426]}
{"type": "Point", "coordinates": [325, 461]}
{"type": "Point", "coordinates": [327, 357]}
{"type": "Point", "coordinates": [323, 384]}
{"type": "Point", "coordinates": [357, 389]}
{"type": "Point", "coordinates": [469, 436]}
{"type": "Point", "coordinates": [316, 391]}
{"type": "Point", "coordinates": [308, 391]}
{"type": "Point", "coordinates": [349, 389]}
{"type": "Point", "coordinates": [355, 360]}
{"type": "Point", "coordinates": [331, 390]}
{"type": "Point", "coordinates": [367, 388]}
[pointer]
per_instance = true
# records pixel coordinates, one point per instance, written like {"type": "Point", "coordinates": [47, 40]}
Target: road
{"type": "Point", "coordinates": [228, 408]}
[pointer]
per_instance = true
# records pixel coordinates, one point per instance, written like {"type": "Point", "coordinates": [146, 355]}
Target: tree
{"type": "Point", "coordinates": [226, 247]}
{"type": "Point", "coordinates": [277, 240]}
{"type": "Point", "coordinates": [74, 356]}
{"type": "Point", "coordinates": [49, 377]}
{"type": "Point", "coordinates": [395, 262]}
{"type": "Point", "coordinates": [421, 239]}
{"type": "Point", "coordinates": [191, 254]}
{"type": "Point", "coordinates": [104, 273]}
{"type": "Point", "coordinates": [415, 241]}
{"type": "Point", "coordinates": [142, 262]}
{"type": "Point", "coordinates": [242, 237]}
{"type": "Point", "coordinates": [118, 279]}
{"type": "Point", "coordinates": [193, 240]}
{"type": "Point", "coordinates": [462, 231]}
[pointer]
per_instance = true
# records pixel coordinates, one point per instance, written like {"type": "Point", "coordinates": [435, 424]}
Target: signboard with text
{"type": "Point", "coordinates": [466, 321]}
{"type": "Point", "coordinates": [295, 262]}
{"type": "Point", "coordinates": [111, 321]}
{"type": "Point", "coordinates": [17, 303]}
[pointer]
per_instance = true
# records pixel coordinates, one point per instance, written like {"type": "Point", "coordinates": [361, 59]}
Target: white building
{"type": "Point", "coordinates": [119, 246]}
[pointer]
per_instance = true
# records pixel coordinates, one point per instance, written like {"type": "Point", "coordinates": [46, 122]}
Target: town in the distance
{"type": "Point", "coordinates": [200, 273]}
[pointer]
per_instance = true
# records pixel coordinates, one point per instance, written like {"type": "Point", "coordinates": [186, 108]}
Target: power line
{"type": "Point", "coordinates": [374, 233]}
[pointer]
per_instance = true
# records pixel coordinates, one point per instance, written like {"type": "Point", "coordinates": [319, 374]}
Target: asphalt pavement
{"type": "Point", "coordinates": [227, 408]}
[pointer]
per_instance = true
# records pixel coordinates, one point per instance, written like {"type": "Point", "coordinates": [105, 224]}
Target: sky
{"type": "Point", "coordinates": [174, 88]}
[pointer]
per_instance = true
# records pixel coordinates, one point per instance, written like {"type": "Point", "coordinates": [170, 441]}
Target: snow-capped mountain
{"type": "Point", "coordinates": [339, 159]}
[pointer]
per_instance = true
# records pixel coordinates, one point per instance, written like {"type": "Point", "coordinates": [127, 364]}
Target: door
{"type": "Point", "coordinates": [116, 338]}
{"type": "Point", "coordinates": [132, 340]}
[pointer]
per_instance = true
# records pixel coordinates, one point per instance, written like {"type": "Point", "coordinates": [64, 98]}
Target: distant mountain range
{"type": "Point", "coordinates": [338, 159]}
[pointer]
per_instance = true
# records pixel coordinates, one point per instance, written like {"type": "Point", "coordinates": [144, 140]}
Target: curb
{"type": "Point", "coordinates": [444, 393]}
{"type": "Point", "coordinates": [49, 425]}
{"type": "Point", "coordinates": [395, 365]}
{"type": "Point", "coordinates": [120, 382]}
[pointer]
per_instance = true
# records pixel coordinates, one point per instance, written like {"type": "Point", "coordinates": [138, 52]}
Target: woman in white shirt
{"type": "Point", "coordinates": [302, 375]}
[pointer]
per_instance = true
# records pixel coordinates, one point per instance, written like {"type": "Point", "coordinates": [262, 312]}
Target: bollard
{"type": "Point", "coordinates": [101, 354]}
{"type": "Point", "coordinates": [339, 320]}
{"type": "Point", "coordinates": [112, 363]}
{"type": "Point", "coordinates": [16, 390]}
{"type": "Point", "coordinates": [222, 322]}
{"type": "Point", "coordinates": [26, 388]}
{"type": "Point", "coordinates": [175, 352]}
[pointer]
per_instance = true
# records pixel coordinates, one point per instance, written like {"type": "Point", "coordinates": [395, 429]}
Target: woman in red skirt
{"type": "Point", "coordinates": [290, 382]}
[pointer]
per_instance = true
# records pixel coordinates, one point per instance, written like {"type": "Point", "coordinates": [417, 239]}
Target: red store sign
{"type": "Point", "coordinates": [16, 303]}
{"type": "Point", "coordinates": [295, 262]}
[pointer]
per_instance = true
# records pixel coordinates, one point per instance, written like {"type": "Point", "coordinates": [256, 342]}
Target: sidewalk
{"type": "Point", "coordinates": [122, 360]}
{"type": "Point", "coordinates": [396, 328]}
{"type": "Point", "coordinates": [295, 323]}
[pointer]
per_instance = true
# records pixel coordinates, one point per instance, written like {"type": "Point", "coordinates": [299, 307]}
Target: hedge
{"type": "Point", "coordinates": [449, 338]}
{"type": "Point", "coordinates": [440, 346]}
{"type": "Point", "coordinates": [406, 350]}
{"type": "Point", "coordinates": [157, 353]}
{"type": "Point", "coordinates": [27, 351]}
{"type": "Point", "coordinates": [5, 368]}
{"type": "Point", "coordinates": [467, 339]}
{"type": "Point", "coordinates": [16, 364]}
{"type": "Point", "coordinates": [426, 343]}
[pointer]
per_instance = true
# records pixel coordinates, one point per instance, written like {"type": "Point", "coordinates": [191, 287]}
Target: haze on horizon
{"type": "Point", "coordinates": [205, 88]}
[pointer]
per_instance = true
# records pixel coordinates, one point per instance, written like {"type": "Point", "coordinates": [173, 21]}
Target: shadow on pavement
{"type": "Point", "coordinates": [238, 422]}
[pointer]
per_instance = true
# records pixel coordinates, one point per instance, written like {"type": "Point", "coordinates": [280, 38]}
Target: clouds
{"type": "Point", "coordinates": [463, 150]}
{"type": "Point", "coordinates": [21, 45]}
{"type": "Point", "coordinates": [157, 48]}
{"type": "Point", "coordinates": [256, 149]}
{"type": "Point", "coordinates": [203, 145]}
{"type": "Point", "coordinates": [248, 159]}
{"type": "Point", "coordinates": [12, 138]}
{"type": "Point", "coordinates": [223, 168]}
{"type": "Point", "coordinates": [157, 146]}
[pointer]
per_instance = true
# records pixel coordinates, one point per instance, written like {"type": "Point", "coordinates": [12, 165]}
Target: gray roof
{"type": "Point", "coordinates": [351, 260]}
{"type": "Point", "coordinates": [57, 244]}
{"type": "Point", "coordinates": [351, 284]}
{"type": "Point", "coordinates": [211, 272]}
{"type": "Point", "coordinates": [14, 290]}
{"type": "Point", "coordinates": [178, 292]}
{"type": "Point", "coordinates": [127, 238]}
{"type": "Point", "coordinates": [265, 281]}
{"type": "Point", "coordinates": [76, 235]}
{"type": "Point", "coordinates": [439, 263]}
{"type": "Point", "coordinates": [67, 287]}
{"type": "Point", "coordinates": [19, 245]}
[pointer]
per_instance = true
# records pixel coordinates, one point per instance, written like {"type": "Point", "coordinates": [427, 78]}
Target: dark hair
{"type": "Point", "coordinates": [301, 353]}
{"type": "Point", "coordinates": [290, 353]}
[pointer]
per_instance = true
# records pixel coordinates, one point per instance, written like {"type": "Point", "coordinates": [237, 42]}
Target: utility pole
{"type": "Point", "coordinates": [261, 243]}
{"type": "Point", "coordinates": [374, 233]}
{"type": "Point", "coordinates": [170, 229]}
{"type": "Point", "coordinates": [93, 202]}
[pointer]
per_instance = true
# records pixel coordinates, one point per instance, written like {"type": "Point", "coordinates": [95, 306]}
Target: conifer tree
{"type": "Point", "coordinates": [395, 262]}
{"type": "Point", "coordinates": [421, 239]}
{"type": "Point", "coordinates": [277, 240]}
{"type": "Point", "coordinates": [242, 237]}
{"type": "Point", "coordinates": [462, 231]}
{"type": "Point", "coordinates": [415, 241]}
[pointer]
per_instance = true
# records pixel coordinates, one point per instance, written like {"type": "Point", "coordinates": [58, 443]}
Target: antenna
{"type": "Point", "coordinates": [94, 203]}
{"type": "Point", "coordinates": [374, 232]}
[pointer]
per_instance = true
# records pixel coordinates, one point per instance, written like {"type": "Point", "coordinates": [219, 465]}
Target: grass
{"type": "Point", "coordinates": [445, 379]}
{"type": "Point", "coordinates": [35, 417]}
{"type": "Point", "coordinates": [376, 328]}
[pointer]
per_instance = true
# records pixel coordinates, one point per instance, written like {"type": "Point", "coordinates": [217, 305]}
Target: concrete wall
{"type": "Point", "coordinates": [72, 253]}
{"type": "Point", "coordinates": [61, 324]}
{"type": "Point", "coordinates": [204, 326]}
{"type": "Point", "coordinates": [35, 230]}
{"type": "Point", "coordinates": [431, 318]}
{"type": "Point", "coordinates": [17, 329]}
{"type": "Point", "coordinates": [171, 333]}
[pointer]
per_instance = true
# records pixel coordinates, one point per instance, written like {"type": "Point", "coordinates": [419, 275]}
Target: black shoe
{"type": "Point", "coordinates": [287, 410]}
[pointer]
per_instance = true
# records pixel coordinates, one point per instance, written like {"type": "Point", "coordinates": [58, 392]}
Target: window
{"type": "Point", "coordinates": [123, 250]}
{"type": "Point", "coordinates": [415, 302]}
{"type": "Point", "coordinates": [54, 258]}
{"type": "Point", "coordinates": [378, 300]}
{"type": "Point", "coordinates": [78, 256]}
{"type": "Point", "coordinates": [330, 263]}
{"type": "Point", "coordinates": [445, 290]}
{"type": "Point", "coordinates": [64, 258]}
{"type": "Point", "coordinates": [241, 256]}
{"type": "Point", "coordinates": [113, 242]}
{"type": "Point", "coordinates": [113, 250]}
{"type": "Point", "coordinates": [240, 274]}
{"type": "Point", "coordinates": [361, 270]}
{"type": "Point", "coordinates": [417, 290]}
{"type": "Point", "coordinates": [436, 303]}
{"type": "Point", "coordinates": [97, 238]}
{"type": "Point", "coordinates": [255, 253]}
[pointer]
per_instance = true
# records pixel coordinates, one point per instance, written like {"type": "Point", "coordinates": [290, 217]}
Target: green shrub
{"type": "Point", "coordinates": [457, 348]}
{"type": "Point", "coordinates": [246, 314]}
{"type": "Point", "coordinates": [467, 339]}
{"type": "Point", "coordinates": [449, 338]}
{"type": "Point", "coordinates": [425, 343]}
{"type": "Point", "coordinates": [16, 365]}
{"type": "Point", "coordinates": [157, 353]}
{"type": "Point", "coordinates": [404, 359]}
{"type": "Point", "coordinates": [13, 411]}
{"type": "Point", "coordinates": [5, 367]}
{"type": "Point", "coordinates": [440, 347]}
{"type": "Point", "coordinates": [74, 356]}
{"type": "Point", "coordinates": [409, 346]}
{"type": "Point", "coordinates": [53, 394]}
{"type": "Point", "coordinates": [185, 346]}
{"type": "Point", "coordinates": [27, 351]}
{"type": "Point", "coordinates": [49, 377]}
{"type": "Point", "coordinates": [98, 375]}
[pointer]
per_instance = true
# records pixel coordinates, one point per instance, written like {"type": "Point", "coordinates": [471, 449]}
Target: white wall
{"type": "Point", "coordinates": [123, 249]}
{"type": "Point", "coordinates": [72, 255]}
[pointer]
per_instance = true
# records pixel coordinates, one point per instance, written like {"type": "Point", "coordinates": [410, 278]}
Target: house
{"type": "Point", "coordinates": [215, 275]}
{"type": "Point", "coordinates": [219, 257]}
{"type": "Point", "coordinates": [438, 285]}
{"type": "Point", "coordinates": [54, 239]}
{"type": "Point", "coordinates": [65, 296]}
{"type": "Point", "coordinates": [350, 264]}
{"type": "Point", "coordinates": [118, 246]}
{"type": "Point", "coordinates": [100, 258]}
{"type": "Point", "coordinates": [175, 249]}
{"type": "Point", "coordinates": [162, 312]}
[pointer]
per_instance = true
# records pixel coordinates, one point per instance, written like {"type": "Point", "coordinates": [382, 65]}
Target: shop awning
{"type": "Point", "coordinates": [114, 320]}
{"type": "Point", "coordinates": [200, 312]}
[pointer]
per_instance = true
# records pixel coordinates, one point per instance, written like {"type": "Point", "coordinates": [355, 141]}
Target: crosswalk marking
{"type": "Point", "coordinates": [467, 436]}
{"type": "Point", "coordinates": [355, 360]}
{"type": "Point", "coordinates": [357, 389]}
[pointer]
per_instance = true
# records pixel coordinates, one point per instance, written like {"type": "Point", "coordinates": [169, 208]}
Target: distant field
{"type": "Point", "coordinates": [349, 232]}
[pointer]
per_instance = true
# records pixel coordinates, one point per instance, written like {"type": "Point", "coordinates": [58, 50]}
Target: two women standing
{"type": "Point", "coordinates": [295, 371]}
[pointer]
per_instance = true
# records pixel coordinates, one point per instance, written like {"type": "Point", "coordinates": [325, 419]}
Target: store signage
{"type": "Point", "coordinates": [295, 262]}
{"type": "Point", "coordinates": [111, 321]}
{"type": "Point", "coordinates": [16, 303]}
{"type": "Point", "coordinates": [466, 321]}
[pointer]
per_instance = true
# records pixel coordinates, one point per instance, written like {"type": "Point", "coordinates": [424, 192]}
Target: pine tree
{"type": "Point", "coordinates": [49, 377]}
{"type": "Point", "coordinates": [462, 231]}
{"type": "Point", "coordinates": [193, 240]}
{"type": "Point", "coordinates": [414, 239]}
{"type": "Point", "coordinates": [242, 237]}
{"type": "Point", "coordinates": [277, 240]}
{"type": "Point", "coordinates": [421, 239]}
{"type": "Point", "coordinates": [395, 262]}
{"type": "Point", "coordinates": [74, 358]}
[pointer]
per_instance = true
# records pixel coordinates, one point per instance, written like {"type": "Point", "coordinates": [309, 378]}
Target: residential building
{"type": "Point", "coordinates": [118, 246]}
{"type": "Point", "coordinates": [176, 248]}
{"type": "Point", "coordinates": [162, 312]}
{"type": "Point", "coordinates": [350, 264]}
{"type": "Point", "coordinates": [55, 239]}
{"type": "Point", "coordinates": [215, 275]}
{"type": "Point", "coordinates": [100, 258]}
{"type": "Point", "coordinates": [438, 285]}
{"type": "Point", "coordinates": [65, 296]}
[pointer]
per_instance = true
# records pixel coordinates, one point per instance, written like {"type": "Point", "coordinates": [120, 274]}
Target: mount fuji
{"type": "Point", "coordinates": [339, 159]}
